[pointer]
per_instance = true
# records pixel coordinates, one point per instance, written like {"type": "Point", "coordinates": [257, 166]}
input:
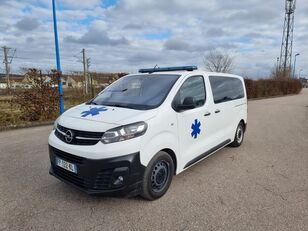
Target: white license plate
{"type": "Point", "coordinates": [66, 165]}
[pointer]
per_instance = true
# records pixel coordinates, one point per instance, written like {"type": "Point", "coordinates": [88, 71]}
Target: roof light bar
{"type": "Point", "coordinates": [159, 69]}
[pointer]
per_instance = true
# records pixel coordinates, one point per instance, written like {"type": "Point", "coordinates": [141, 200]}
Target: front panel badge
{"type": "Point", "coordinates": [93, 111]}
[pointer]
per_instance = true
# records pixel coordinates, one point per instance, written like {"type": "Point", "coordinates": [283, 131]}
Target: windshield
{"type": "Point", "coordinates": [139, 92]}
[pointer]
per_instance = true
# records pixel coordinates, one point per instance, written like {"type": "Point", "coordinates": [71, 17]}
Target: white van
{"type": "Point", "coordinates": [144, 128]}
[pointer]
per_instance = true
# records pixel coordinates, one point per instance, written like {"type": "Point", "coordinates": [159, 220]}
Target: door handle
{"type": "Point", "coordinates": [217, 111]}
{"type": "Point", "coordinates": [207, 114]}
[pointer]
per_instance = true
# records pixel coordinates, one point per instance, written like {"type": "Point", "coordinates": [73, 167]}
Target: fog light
{"type": "Point", "coordinates": [119, 181]}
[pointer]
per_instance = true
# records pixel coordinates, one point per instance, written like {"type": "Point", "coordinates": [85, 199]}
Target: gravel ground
{"type": "Point", "coordinates": [263, 185]}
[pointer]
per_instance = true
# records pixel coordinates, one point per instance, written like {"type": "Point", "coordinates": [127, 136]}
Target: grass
{"type": "Point", "coordinates": [11, 116]}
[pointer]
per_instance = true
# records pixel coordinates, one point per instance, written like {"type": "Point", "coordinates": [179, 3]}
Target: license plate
{"type": "Point", "coordinates": [66, 165]}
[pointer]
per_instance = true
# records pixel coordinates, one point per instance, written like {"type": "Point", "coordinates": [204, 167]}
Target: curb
{"type": "Point", "coordinates": [29, 125]}
{"type": "Point", "coordinates": [272, 97]}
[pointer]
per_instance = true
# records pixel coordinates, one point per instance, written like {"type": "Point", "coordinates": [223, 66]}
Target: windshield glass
{"type": "Point", "coordinates": [139, 92]}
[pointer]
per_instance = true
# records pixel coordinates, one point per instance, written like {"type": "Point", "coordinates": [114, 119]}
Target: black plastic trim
{"type": "Point", "coordinates": [196, 159]}
{"type": "Point", "coordinates": [97, 176]}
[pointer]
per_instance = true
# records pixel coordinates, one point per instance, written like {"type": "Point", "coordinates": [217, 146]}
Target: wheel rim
{"type": "Point", "coordinates": [160, 175]}
{"type": "Point", "coordinates": [239, 134]}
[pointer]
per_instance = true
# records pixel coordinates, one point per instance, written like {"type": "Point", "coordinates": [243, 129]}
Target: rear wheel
{"type": "Point", "coordinates": [158, 176]}
{"type": "Point", "coordinates": [239, 135]}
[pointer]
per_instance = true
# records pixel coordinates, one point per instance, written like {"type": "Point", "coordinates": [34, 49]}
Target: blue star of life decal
{"type": "Point", "coordinates": [195, 129]}
{"type": "Point", "coordinates": [93, 111]}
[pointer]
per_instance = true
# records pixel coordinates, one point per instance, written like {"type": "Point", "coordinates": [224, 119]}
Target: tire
{"type": "Point", "coordinates": [158, 176]}
{"type": "Point", "coordinates": [239, 135]}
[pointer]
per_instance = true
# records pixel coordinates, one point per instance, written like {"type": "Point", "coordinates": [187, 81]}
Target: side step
{"type": "Point", "coordinates": [207, 153]}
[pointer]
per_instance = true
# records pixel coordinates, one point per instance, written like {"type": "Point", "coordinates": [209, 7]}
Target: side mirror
{"type": "Point", "coordinates": [188, 103]}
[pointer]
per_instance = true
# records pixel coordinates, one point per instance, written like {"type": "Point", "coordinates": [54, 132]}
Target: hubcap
{"type": "Point", "coordinates": [239, 134]}
{"type": "Point", "coordinates": [160, 175]}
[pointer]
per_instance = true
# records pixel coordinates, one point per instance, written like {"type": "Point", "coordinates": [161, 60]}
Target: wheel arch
{"type": "Point", "coordinates": [173, 156]}
{"type": "Point", "coordinates": [244, 124]}
{"type": "Point", "coordinates": [165, 141]}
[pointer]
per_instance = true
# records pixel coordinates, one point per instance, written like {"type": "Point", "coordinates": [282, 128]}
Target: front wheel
{"type": "Point", "coordinates": [239, 135]}
{"type": "Point", "coordinates": [158, 176]}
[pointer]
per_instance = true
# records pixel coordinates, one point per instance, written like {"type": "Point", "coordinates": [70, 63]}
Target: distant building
{"type": "Point", "coordinates": [16, 81]}
{"type": "Point", "coordinates": [105, 79]}
{"type": "Point", "coordinates": [74, 80]}
{"type": "Point", "coordinates": [3, 84]}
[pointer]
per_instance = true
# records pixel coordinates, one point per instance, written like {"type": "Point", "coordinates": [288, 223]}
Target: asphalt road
{"type": "Point", "coordinates": [263, 185]}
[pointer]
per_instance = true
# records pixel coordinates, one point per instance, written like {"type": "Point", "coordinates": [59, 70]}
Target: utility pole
{"type": "Point", "coordinates": [84, 61]}
{"type": "Point", "coordinates": [287, 38]}
{"type": "Point", "coordinates": [277, 67]}
{"type": "Point", "coordinates": [57, 56]}
{"type": "Point", "coordinates": [294, 66]}
{"type": "Point", "coordinates": [90, 77]}
{"type": "Point", "coordinates": [7, 61]}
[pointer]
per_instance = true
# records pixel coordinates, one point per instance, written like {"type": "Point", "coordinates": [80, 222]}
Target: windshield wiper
{"type": "Point", "coordinates": [115, 105]}
{"type": "Point", "coordinates": [123, 90]}
{"type": "Point", "coordinates": [91, 102]}
{"type": "Point", "coordinates": [119, 105]}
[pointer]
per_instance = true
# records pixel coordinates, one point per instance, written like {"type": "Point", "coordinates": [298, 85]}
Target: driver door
{"type": "Point", "coordinates": [190, 105]}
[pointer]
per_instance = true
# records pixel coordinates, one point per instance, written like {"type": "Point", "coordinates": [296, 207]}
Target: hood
{"type": "Point", "coordinates": [108, 115]}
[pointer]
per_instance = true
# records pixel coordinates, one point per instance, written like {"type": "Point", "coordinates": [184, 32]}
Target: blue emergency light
{"type": "Point", "coordinates": [160, 69]}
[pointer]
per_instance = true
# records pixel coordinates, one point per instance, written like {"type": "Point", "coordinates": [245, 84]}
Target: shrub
{"type": "Point", "coordinates": [41, 102]}
{"type": "Point", "coordinates": [271, 87]}
{"type": "Point", "coordinates": [75, 96]}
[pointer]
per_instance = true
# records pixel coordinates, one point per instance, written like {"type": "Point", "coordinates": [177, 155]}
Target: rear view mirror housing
{"type": "Point", "coordinates": [183, 107]}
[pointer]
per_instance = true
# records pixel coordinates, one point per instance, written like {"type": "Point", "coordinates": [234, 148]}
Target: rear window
{"type": "Point", "coordinates": [226, 88]}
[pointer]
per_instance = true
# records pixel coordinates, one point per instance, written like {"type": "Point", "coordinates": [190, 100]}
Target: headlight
{"type": "Point", "coordinates": [55, 124]}
{"type": "Point", "coordinates": [125, 132]}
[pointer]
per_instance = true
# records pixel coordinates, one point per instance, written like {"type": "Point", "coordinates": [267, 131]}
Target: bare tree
{"type": "Point", "coordinates": [217, 61]}
{"type": "Point", "coordinates": [277, 73]}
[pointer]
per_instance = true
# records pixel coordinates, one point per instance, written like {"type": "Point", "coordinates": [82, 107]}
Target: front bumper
{"type": "Point", "coordinates": [100, 176]}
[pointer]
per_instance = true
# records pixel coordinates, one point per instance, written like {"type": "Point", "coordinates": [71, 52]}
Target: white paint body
{"type": "Point", "coordinates": [167, 129]}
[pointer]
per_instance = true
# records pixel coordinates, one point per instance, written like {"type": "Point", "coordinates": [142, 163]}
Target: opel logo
{"type": "Point", "coordinates": [68, 136]}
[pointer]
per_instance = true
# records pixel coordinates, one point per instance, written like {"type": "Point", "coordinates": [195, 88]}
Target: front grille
{"type": "Point", "coordinates": [78, 137]}
{"type": "Point", "coordinates": [102, 180]}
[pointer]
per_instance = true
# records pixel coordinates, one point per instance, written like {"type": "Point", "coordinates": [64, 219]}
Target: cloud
{"type": "Point", "coordinates": [157, 36]}
{"type": "Point", "coordinates": [133, 26]}
{"type": "Point", "coordinates": [181, 45]}
{"type": "Point", "coordinates": [126, 35]}
{"type": "Point", "coordinates": [177, 45]}
{"type": "Point", "coordinates": [96, 37]}
{"type": "Point", "coordinates": [215, 32]}
{"type": "Point", "coordinates": [80, 4]}
{"type": "Point", "coordinates": [27, 24]}
{"type": "Point", "coordinates": [144, 58]}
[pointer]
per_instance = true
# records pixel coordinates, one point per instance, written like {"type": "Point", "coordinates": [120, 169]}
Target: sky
{"type": "Point", "coordinates": [125, 35]}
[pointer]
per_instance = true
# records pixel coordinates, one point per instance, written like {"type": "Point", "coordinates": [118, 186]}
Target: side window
{"type": "Point", "coordinates": [190, 95]}
{"type": "Point", "coordinates": [226, 88]}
